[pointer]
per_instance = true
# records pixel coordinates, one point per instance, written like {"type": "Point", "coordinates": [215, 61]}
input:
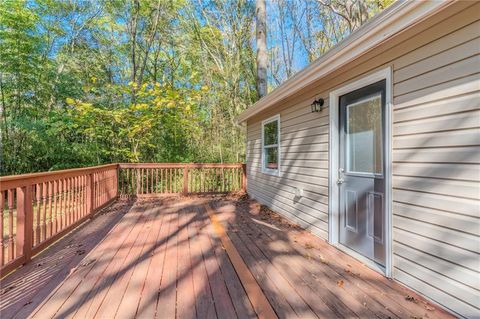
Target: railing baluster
{"type": "Point", "coordinates": [98, 189]}
{"type": "Point", "coordinates": [80, 196]}
{"type": "Point", "coordinates": [101, 188]}
{"type": "Point", "coordinates": [43, 225]}
{"type": "Point", "coordinates": [175, 180]}
{"type": "Point", "coordinates": [63, 204]}
{"type": "Point", "coordinates": [152, 180]}
{"type": "Point", "coordinates": [2, 247]}
{"type": "Point", "coordinates": [39, 209]}
{"type": "Point", "coordinates": [133, 178]}
{"type": "Point", "coordinates": [49, 223]}
{"type": "Point", "coordinates": [147, 180]}
{"type": "Point", "coordinates": [10, 225]}
{"type": "Point", "coordinates": [161, 180]}
{"type": "Point", "coordinates": [66, 194]}
{"type": "Point", "coordinates": [170, 179]}
{"type": "Point", "coordinates": [121, 183]}
{"type": "Point", "coordinates": [83, 198]}
{"type": "Point", "coordinates": [55, 207]}
{"type": "Point", "coordinates": [70, 202]}
{"type": "Point", "coordinates": [75, 200]}
{"type": "Point", "coordinates": [151, 175]}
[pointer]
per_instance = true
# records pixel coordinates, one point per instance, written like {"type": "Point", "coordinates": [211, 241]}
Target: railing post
{"type": "Point", "coordinates": [185, 179]}
{"type": "Point", "coordinates": [244, 177]}
{"type": "Point", "coordinates": [90, 193]}
{"type": "Point", "coordinates": [24, 240]}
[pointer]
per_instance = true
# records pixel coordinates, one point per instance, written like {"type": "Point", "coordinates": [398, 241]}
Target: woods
{"type": "Point", "coordinates": [92, 82]}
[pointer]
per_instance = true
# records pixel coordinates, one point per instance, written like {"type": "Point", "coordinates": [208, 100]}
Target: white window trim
{"type": "Point", "coordinates": [333, 196]}
{"type": "Point", "coordinates": [274, 172]}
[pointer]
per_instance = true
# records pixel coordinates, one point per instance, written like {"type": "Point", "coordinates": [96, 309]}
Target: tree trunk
{"type": "Point", "coordinates": [261, 48]}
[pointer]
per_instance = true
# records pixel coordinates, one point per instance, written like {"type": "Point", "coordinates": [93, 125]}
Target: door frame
{"type": "Point", "coordinates": [334, 156]}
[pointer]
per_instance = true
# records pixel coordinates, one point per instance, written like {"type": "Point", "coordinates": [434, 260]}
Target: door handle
{"type": "Point", "coordinates": [340, 180]}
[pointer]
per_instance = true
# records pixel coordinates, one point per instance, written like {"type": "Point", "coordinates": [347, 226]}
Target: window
{"type": "Point", "coordinates": [364, 136]}
{"type": "Point", "coordinates": [271, 145]}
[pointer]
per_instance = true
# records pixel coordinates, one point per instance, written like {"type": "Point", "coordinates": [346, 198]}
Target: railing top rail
{"type": "Point", "coordinates": [179, 165]}
{"type": "Point", "coordinates": [13, 181]}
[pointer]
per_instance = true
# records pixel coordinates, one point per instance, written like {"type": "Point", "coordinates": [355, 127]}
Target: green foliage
{"type": "Point", "coordinates": [91, 82]}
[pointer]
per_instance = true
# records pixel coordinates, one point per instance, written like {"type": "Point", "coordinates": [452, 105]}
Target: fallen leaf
{"type": "Point", "coordinates": [340, 283]}
{"type": "Point", "coordinates": [88, 262]}
{"type": "Point", "coordinates": [429, 308]}
{"type": "Point", "coordinates": [410, 298]}
{"type": "Point", "coordinates": [7, 289]}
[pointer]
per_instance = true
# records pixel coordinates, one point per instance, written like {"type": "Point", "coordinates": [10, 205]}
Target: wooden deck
{"type": "Point", "coordinates": [167, 258]}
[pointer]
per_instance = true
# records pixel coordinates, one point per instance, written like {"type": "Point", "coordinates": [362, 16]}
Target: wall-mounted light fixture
{"type": "Point", "coordinates": [317, 105]}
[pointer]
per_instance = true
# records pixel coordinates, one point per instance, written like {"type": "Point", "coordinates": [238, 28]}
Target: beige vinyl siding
{"type": "Point", "coordinates": [436, 155]}
{"type": "Point", "coordinates": [304, 154]}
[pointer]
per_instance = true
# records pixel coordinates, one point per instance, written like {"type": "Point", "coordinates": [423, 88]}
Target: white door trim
{"type": "Point", "coordinates": [333, 196]}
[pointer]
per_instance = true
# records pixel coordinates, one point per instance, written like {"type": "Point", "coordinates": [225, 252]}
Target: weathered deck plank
{"type": "Point", "coordinates": [223, 303]}
{"type": "Point", "coordinates": [202, 291]}
{"type": "Point", "coordinates": [19, 296]}
{"type": "Point", "coordinates": [148, 299]}
{"type": "Point", "coordinates": [164, 259]}
{"type": "Point", "coordinates": [362, 290]}
{"type": "Point", "coordinates": [166, 304]}
{"type": "Point", "coordinates": [185, 295]}
{"type": "Point", "coordinates": [88, 308]}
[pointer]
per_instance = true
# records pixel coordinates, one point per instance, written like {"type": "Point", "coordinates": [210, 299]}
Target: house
{"type": "Point", "coordinates": [375, 147]}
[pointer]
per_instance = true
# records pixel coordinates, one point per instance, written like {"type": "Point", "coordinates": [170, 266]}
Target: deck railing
{"type": "Point", "coordinates": [37, 209]}
{"type": "Point", "coordinates": [169, 178]}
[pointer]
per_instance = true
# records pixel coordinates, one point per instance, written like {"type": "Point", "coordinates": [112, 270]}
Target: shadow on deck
{"type": "Point", "coordinates": [163, 258]}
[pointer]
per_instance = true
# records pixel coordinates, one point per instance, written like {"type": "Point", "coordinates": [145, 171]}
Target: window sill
{"type": "Point", "coordinates": [271, 172]}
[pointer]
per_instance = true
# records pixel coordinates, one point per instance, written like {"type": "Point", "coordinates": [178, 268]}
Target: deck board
{"type": "Point", "coordinates": [103, 281]}
{"type": "Point", "coordinates": [222, 301]}
{"type": "Point", "coordinates": [362, 290]}
{"type": "Point", "coordinates": [185, 295]}
{"type": "Point", "coordinates": [202, 291]}
{"type": "Point", "coordinates": [148, 299]}
{"type": "Point", "coordinates": [163, 258]}
{"type": "Point", "coordinates": [167, 291]}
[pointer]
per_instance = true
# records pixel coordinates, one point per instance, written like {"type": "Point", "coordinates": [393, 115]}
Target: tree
{"type": "Point", "coordinates": [92, 82]}
{"type": "Point", "coordinates": [261, 35]}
